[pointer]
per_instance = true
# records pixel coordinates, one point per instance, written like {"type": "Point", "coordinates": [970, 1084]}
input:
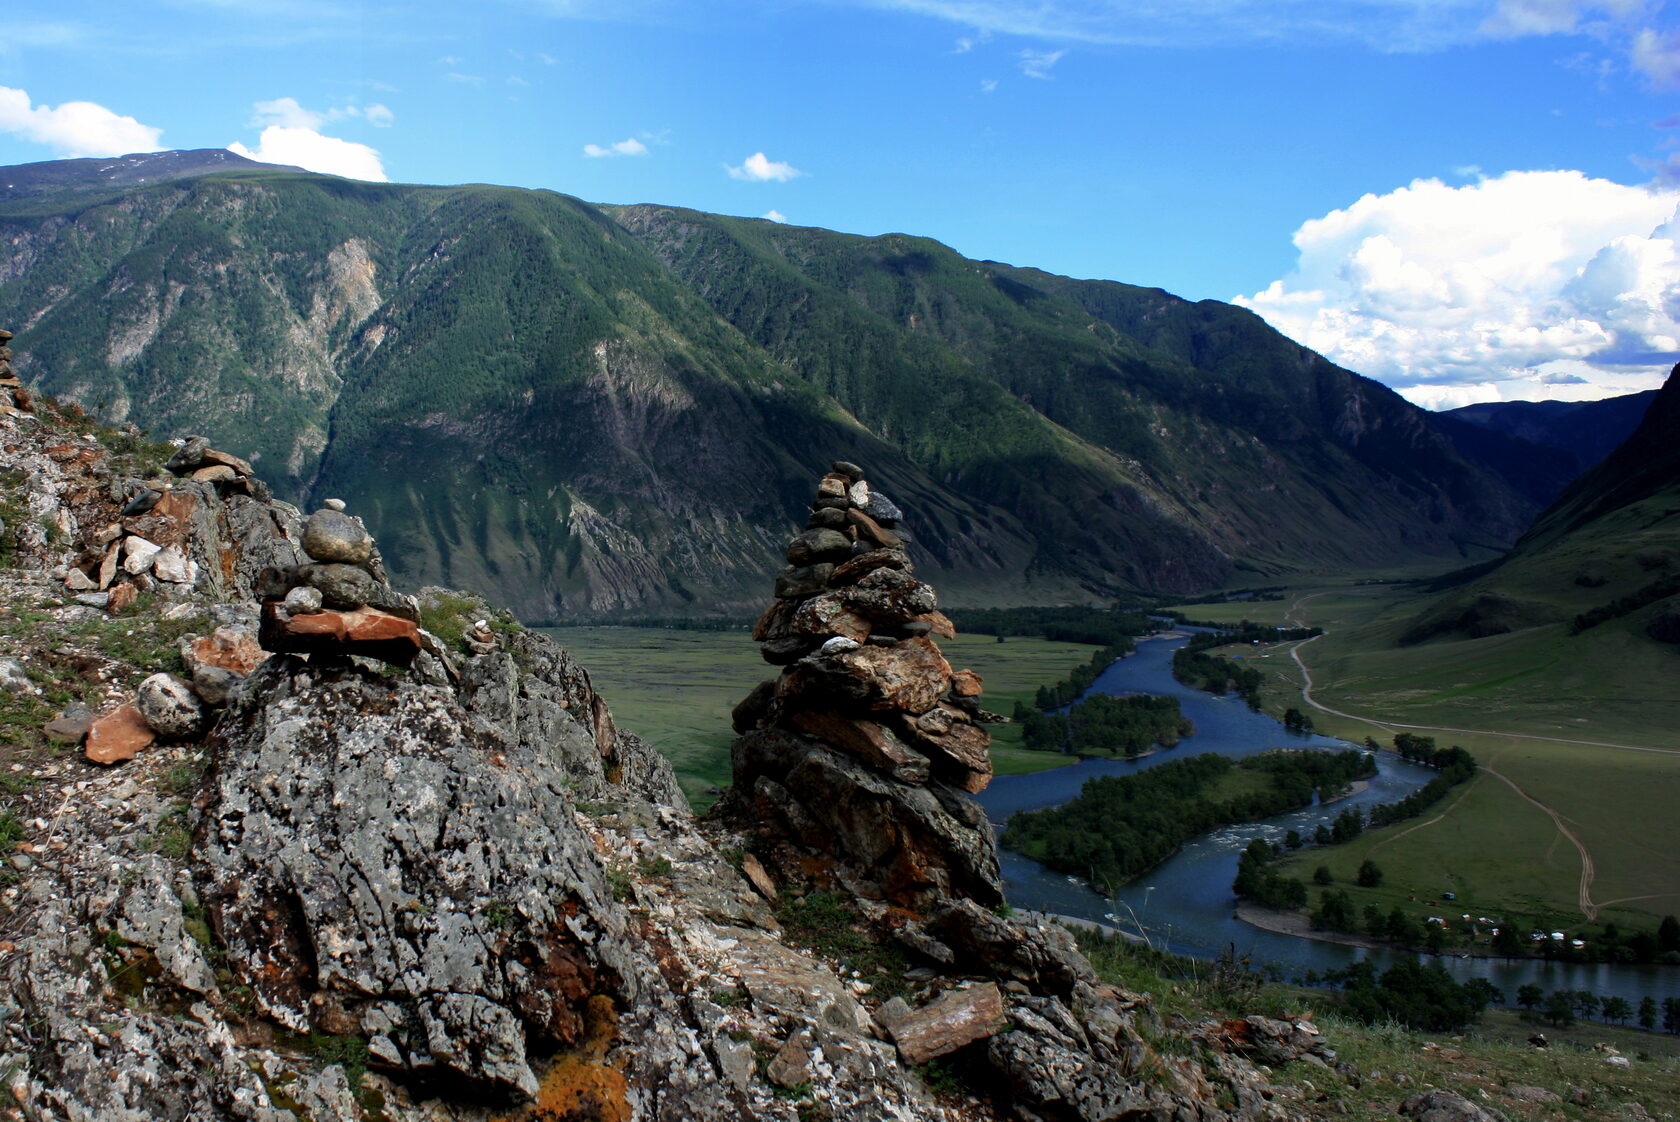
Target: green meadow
{"type": "Point", "coordinates": [675, 690]}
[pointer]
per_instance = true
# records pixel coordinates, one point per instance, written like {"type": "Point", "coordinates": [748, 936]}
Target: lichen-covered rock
{"type": "Point", "coordinates": [362, 849]}
{"type": "Point", "coordinates": [332, 535]}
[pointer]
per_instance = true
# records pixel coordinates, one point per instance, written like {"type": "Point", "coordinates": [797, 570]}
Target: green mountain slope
{"type": "Point", "coordinates": [601, 410]}
{"type": "Point", "coordinates": [1281, 458]}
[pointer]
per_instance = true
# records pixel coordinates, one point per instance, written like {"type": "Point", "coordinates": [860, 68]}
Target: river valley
{"type": "Point", "coordinates": [1185, 906]}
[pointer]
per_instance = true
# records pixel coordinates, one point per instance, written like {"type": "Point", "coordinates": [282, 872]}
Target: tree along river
{"type": "Point", "coordinates": [1185, 905]}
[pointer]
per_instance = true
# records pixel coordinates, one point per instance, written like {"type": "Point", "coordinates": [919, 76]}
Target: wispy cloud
{"type": "Point", "coordinates": [1656, 54]}
{"type": "Point", "coordinates": [988, 85]}
{"type": "Point", "coordinates": [1386, 25]}
{"type": "Point", "coordinates": [758, 168]}
{"type": "Point", "coordinates": [75, 128]}
{"type": "Point", "coordinates": [630, 146]}
{"type": "Point", "coordinates": [1037, 64]}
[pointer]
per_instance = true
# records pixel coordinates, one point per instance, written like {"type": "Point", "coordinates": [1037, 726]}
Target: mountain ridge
{"type": "Point", "coordinates": [541, 377]}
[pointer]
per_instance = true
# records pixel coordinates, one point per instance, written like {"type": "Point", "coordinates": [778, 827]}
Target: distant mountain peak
{"type": "Point", "coordinates": [133, 170]}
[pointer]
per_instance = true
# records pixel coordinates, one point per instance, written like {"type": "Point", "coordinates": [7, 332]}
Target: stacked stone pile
{"type": "Point", "coordinates": [197, 461]}
{"type": "Point", "coordinates": [338, 602]}
{"type": "Point", "coordinates": [14, 399]}
{"type": "Point", "coordinates": [865, 749]}
{"type": "Point", "coordinates": [854, 627]}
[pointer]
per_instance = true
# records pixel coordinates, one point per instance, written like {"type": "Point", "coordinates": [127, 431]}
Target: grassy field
{"type": "Point", "coordinates": [675, 689]}
{"type": "Point", "coordinates": [1517, 701]}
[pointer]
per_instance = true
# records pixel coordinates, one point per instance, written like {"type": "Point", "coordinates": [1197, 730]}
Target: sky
{"type": "Point", "coordinates": [1469, 200]}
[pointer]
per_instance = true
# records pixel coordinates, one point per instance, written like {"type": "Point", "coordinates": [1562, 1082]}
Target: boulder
{"type": "Point", "coordinates": [189, 456]}
{"type": "Point", "coordinates": [1441, 1105]}
{"type": "Point", "coordinates": [829, 614]}
{"type": "Point", "coordinates": [954, 1019]}
{"type": "Point", "coordinates": [331, 535]}
{"type": "Point", "coordinates": [232, 649]}
{"type": "Point", "coordinates": [170, 706]}
{"type": "Point", "coordinates": [138, 554]}
{"type": "Point", "coordinates": [814, 546]}
{"type": "Point", "coordinates": [889, 595]}
{"type": "Point", "coordinates": [172, 565]}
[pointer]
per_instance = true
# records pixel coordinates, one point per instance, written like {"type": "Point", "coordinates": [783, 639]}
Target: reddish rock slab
{"type": "Point", "coordinates": [775, 621]}
{"type": "Point", "coordinates": [365, 631]}
{"type": "Point", "coordinates": [870, 530]}
{"type": "Point", "coordinates": [966, 683]}
{"type": "Point", "coordinates": [941, 624]}
{"type": "Point", "coordinates": [950, 1021]}
{"type": "Point", "coordinates": [874, 744]}
{"type": "Point", "coordinates": [753, 869]}
{"type": "Point", "coordinates": [960, 750]}
{"type": "Point", "coordinates": [121, 597]}
{"type": "Point", "coordinates": [908, 676]}
{"type": "Point", "coordinates": [226, 459]}
{"type": "Point", "coordinates": [118, 735]}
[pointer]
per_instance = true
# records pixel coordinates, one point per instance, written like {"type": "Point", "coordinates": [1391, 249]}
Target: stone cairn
{"type": "Point", "coordinates": [338, 602]}
{"type": "Point", "coordinates": [147, 547]}
{"type": "Point", "coordinates": [863, 754]}
{"type": "Point", "coordinates": [197, 461]}
{"type": "Point", "coordinates": [14, 399]}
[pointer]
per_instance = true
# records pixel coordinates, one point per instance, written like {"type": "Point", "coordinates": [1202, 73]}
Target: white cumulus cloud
{"type": "Point", "coordinates": [627, 147]}
{"type": "Point", "coordinates": [1531, 284]}
{"type": "Point", "coordinates": [75, 128]}
{"type": "Point", "coordinates": [291, 135]}
{"type": "Point", "coordinates": [775, 216]}
{"type": "Point", "coordinates": [759, 168]}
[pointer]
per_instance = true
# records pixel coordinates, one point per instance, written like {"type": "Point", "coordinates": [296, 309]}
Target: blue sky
{"type": "Point", "coordinates": [1469, 199]}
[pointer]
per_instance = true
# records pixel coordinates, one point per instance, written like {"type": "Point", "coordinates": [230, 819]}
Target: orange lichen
{"type": "Point", "coordinates": [581, 1086]}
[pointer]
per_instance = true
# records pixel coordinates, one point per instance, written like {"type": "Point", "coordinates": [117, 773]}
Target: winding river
{"type": "Point", "coordinates": [1185, 905]}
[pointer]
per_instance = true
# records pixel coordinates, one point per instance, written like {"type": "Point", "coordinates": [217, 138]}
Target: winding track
{"type": "Point", "coordinates": [1584, 900]}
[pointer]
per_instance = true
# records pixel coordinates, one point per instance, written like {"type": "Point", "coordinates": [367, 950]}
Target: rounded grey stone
{"type": "Point", "coordinates": [332, 535]}
{"type": "Point", "coordinates": [333, 504]}
{"type": "Point", "coordinates": [340, 586]}
{"type": "Point", "coordinates": [169, 705]}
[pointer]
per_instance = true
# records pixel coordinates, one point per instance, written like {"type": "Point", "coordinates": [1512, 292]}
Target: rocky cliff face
{"type": "Point", "coordinates": [430, 878]}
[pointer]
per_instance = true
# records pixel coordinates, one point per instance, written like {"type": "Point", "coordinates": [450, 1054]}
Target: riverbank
{"type": "Point", "coordinates": [1298, 925]}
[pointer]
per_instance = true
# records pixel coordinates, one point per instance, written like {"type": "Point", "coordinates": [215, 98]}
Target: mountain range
{"type": "Point", "coordinates": [602, 411]}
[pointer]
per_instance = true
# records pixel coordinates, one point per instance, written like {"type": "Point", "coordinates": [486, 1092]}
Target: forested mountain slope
{"type": "Point", "coordinates": [601, 410]}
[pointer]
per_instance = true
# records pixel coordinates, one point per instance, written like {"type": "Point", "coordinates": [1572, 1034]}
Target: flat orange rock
{"type": "Point", "coordinates": [118, 735]}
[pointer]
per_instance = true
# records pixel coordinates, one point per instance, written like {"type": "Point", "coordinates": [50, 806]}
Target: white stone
{"type": "Point", "coordinates": [840, 645]}
{"type": "Point", "coordinates": [14, 679]}
{"type": "Point", "coordinates": [858, 496]}
{"type": "Point", "coordinates": [333, 504]}
{"type": "Point", "coordinates": [77, 581]}
{"type": "Point", "coordinates": [138, 554]}
{"type": "Point", "coordinates": [303, 601]}
{"type": "Point", "coordinates": [172, 565]}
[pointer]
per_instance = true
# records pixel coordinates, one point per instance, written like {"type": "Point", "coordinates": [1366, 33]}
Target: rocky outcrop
{"type": "Point", "coordinates": [860, 758]}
